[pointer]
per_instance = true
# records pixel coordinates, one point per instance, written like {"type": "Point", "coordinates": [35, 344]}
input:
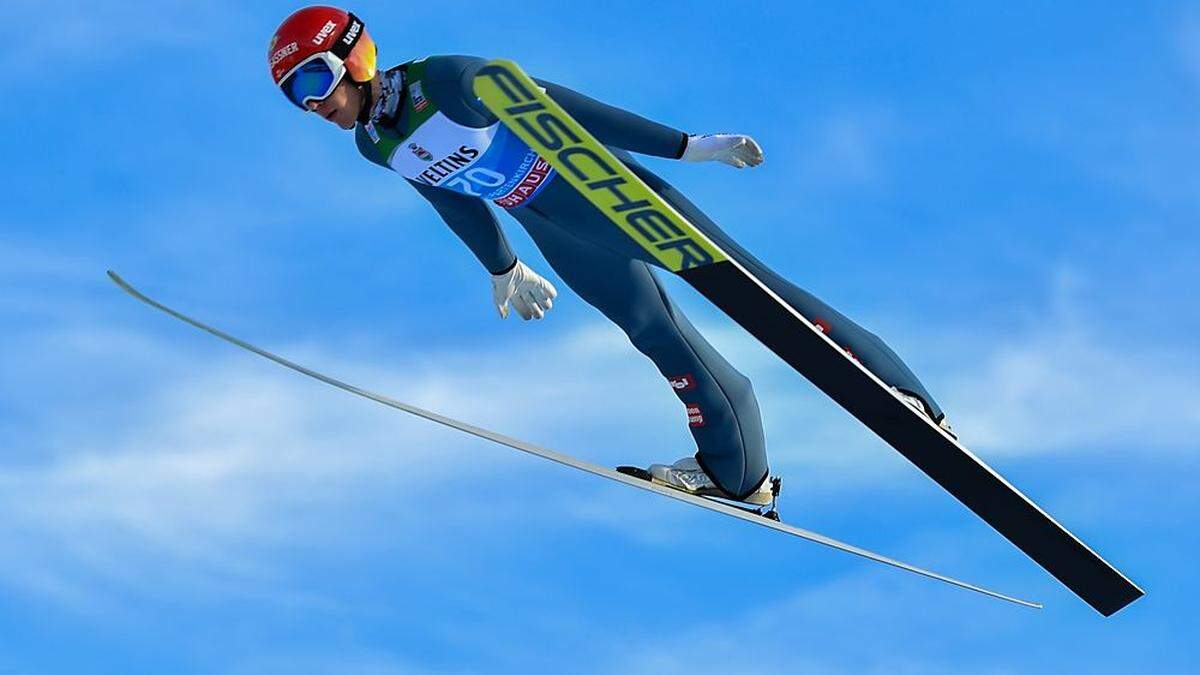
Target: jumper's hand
{"type": "Point", "coordinates": [530, 294]}
{"type": "Point", "coordinates": [733, 149]}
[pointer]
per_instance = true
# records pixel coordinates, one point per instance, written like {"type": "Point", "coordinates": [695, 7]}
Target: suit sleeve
{"type": "Point", "coordinates": [620, 128]}
{"type": "Point", "coordinates": [452, 78]}
{"type": "Point", "coordinates": [474, 223]}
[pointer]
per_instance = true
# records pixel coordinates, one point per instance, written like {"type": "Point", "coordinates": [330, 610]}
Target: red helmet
{"type": "Point", "coordinates": [314, 48]}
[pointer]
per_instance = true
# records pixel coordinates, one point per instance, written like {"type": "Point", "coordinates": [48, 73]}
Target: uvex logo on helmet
{"type": "Point", "coordinates": [352, 32]}
{"type": "Point", "coordinates": [326, 31]}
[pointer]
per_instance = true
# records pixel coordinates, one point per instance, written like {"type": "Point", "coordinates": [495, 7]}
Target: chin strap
{"type": "Point", "coordinates": [368, 102]}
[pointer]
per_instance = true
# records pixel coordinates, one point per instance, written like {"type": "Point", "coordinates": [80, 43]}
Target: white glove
{"type": "Point", "coordinates": [531, 295]}
{"type": "Point", "coordinates": [733, 149]}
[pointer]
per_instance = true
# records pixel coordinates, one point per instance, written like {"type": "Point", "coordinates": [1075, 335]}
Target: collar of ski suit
{"type": "Point", "coordinates": [391, 94]}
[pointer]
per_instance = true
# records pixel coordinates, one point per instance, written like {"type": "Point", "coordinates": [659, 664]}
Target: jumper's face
{"type": "Point", "coordinates": [340, 107]}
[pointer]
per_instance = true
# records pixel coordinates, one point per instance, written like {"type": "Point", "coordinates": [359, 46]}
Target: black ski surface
{"type": "Point", "coordinates": [938, 454]}
{"type": "Point", "coordinates": [663, 232]}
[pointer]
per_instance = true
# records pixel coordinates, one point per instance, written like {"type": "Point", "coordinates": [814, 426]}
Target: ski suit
{"type": "Point", "coordinates": [430, 128]}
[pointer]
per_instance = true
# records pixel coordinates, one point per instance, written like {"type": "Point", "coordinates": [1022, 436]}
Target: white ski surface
{"type": "Point", "coordinates": [567, 460]}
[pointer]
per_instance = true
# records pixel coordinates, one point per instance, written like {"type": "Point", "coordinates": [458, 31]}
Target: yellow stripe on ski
{"type": "Point", "coordinates": [595, 172]}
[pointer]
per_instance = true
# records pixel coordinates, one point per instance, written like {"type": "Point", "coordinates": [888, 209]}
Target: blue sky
{"type": "Point", "coordinates": [1009, 195]}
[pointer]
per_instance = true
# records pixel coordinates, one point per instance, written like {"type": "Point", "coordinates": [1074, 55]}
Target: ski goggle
{"type": "Point", "coordinates": [313, 79]}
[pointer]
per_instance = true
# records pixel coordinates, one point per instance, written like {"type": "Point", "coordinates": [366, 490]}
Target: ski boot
{"type": "Point", "coordinates": [919, 405]}
{"type": "Point", "coordinates": [686, 475]}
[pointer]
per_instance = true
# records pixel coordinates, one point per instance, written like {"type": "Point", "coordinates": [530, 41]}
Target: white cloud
{"type": "Point", "coordinates": [226, 462]}
{"type": "Point", "coordinates": [1068, 389]}
{"type": "Point", "coordinates": [214, 461]}
{"type": "Point", "coordinates": [214, 476]}
{"type": "Point", "coordinates": [1067, 382]}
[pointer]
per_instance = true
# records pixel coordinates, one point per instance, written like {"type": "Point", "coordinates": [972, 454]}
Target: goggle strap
{"type": "Point", "coordinates": [348, 39]}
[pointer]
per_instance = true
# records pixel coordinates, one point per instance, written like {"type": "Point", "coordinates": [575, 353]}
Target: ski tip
{"type": "Point", "coordinates": [124, 285]}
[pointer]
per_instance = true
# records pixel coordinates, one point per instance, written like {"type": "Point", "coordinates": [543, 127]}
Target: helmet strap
{"type": "Point", "coordinates": [368, 99]}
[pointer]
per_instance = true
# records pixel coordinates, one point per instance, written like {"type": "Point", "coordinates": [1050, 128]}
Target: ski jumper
{"type": "Point", "coordinates": [429, 127]}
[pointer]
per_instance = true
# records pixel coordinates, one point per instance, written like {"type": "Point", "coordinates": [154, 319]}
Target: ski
{"type": "Point", "coordinates": [683, 249]}
{"type": "Point", "coordinates": [567, 460]}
